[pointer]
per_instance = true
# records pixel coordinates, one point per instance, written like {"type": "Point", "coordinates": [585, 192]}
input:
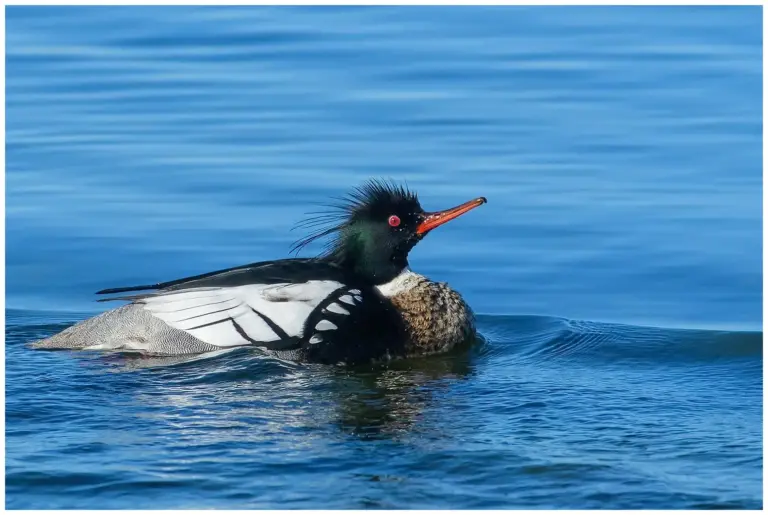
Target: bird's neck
{"type": "Point", "coordinates": [403, 282]}
{"type": "Point", "coordinates": [373, 269]}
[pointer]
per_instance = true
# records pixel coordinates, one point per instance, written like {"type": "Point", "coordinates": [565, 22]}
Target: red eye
{"type": "Point", "coordinates": [394, 220]}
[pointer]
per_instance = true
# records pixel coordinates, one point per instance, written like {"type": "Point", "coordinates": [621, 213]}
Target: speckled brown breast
{"type": "Point", "coordinates": [436, 317]}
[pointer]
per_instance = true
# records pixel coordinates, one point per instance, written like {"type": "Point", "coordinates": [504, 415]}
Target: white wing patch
{"type": "Point", "coordinates": [325, 325]}
{"type": "Point", "coordinates": [241, 315]}
{"type": "Point", "coordinates": [335, 308]}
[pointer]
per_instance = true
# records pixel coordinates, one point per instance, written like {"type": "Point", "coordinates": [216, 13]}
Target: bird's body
{"type": "Point", "coordinates": [357, 303]}
{"type": "Point", "coordinates": [410, 316]}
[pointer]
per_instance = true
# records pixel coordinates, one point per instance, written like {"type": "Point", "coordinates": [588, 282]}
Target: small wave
{"type": "Point", "coordinates": [543, 338]}
{"type": "Point", "coordinates": [517, 337]}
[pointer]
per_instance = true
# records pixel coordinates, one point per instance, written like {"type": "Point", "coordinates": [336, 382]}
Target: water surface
{"type": "Point", "coordinates": [616, 270]}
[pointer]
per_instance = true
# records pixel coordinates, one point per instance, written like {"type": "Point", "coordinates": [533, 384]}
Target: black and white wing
{"type": "Point", "coordinates": [292, 304]}
{"type": "Point", "coordinates": [270, 315]}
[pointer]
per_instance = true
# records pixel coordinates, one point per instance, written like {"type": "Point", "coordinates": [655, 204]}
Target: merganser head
{"type": "Point", "coordinates": [375, 227]}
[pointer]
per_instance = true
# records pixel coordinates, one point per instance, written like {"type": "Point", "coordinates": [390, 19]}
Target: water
{"type": "Point", "coordinates": [616, 270]}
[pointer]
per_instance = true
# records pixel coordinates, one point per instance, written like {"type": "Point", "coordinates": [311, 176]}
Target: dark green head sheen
{"type": "Point", "coordinates": [375, 227]}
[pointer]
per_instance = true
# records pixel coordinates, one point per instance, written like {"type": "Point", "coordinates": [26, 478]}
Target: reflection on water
{"type": "Point", "coordinates": [382, 401]}
{"type": "Point", "coordinates": [385, 403]}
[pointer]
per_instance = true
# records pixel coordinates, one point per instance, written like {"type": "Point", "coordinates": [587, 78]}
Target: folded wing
{"type": "Point", "coordinates": [268, 315]}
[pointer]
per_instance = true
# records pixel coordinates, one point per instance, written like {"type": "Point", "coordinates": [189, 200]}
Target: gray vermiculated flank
{"type": "Point", "coordinates": [126, 327]}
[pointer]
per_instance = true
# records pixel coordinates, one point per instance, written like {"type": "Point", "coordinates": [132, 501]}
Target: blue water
{"type": "Point", "coordinates": [616, 270]}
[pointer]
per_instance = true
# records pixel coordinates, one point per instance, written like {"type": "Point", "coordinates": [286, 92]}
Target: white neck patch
{"type": "Point", "coordinates": [403, 282]}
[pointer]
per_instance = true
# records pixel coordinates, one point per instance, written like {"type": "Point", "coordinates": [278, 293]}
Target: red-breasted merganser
{"type": "Point", "coordinates": [357, 302]}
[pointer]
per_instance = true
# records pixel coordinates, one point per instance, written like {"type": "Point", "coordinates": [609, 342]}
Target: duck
{"type": "Point", "coordinates": [358, 301]}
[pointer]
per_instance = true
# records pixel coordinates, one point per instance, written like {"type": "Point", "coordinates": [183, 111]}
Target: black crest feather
{"type": "Point", "coordinates": [375, 198]}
